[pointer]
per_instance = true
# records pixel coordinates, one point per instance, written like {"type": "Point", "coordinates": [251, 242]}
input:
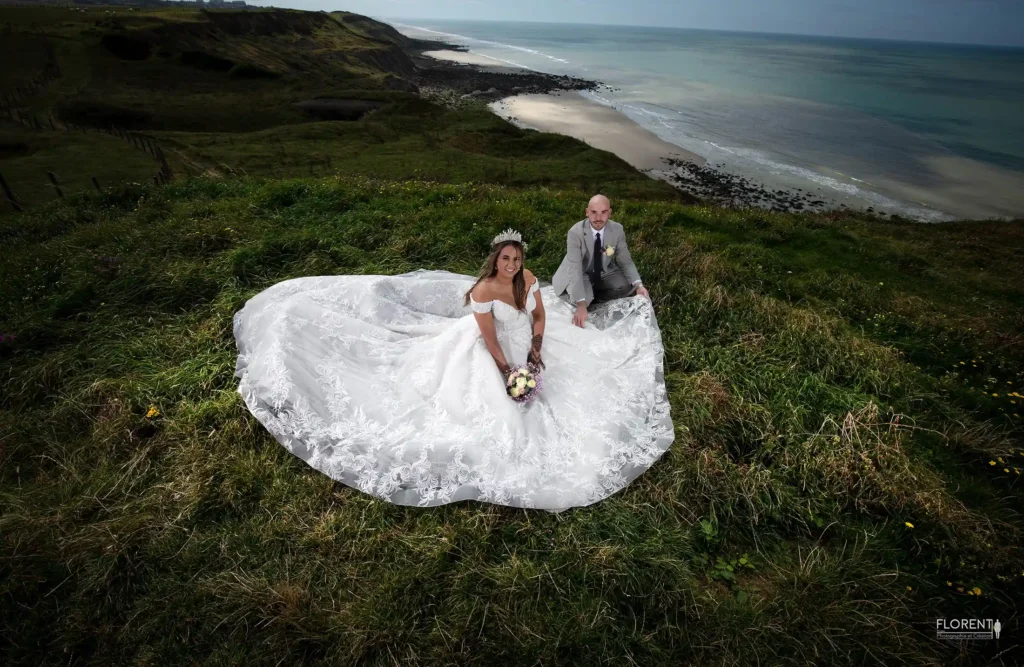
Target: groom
{"type": "Point", "coordinates": [597, 266]}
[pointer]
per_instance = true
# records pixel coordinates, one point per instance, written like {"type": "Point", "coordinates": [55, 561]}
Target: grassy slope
{"type": "Point", "coordinates": [211, 121]}
{"type": "Point", "coordinates": [830, 380]}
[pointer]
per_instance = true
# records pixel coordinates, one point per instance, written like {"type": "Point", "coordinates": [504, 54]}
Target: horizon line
{"type": "Point", "coordinates": [729, 30]}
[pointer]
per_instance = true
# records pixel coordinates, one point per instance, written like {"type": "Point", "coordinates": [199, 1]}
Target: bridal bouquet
{"type": "Point", "coordinates": [524, 382]}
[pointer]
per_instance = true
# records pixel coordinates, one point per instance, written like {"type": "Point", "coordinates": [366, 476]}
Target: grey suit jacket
{"type": "Point", "coordinates": [578, 249]}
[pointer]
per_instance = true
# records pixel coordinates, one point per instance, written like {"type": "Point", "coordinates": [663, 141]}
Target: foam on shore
{"type": "Point", "coordinates": [600, 126]}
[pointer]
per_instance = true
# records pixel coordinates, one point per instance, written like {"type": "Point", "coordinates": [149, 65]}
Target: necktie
{"type": "Point", "coordinates": [596, 269]}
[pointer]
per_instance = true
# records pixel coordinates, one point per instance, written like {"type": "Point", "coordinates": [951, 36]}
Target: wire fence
{"type": "Point", "coordinates": [12, 106]}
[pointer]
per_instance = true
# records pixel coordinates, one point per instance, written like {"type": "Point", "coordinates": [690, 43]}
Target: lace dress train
{"type": "Point", "coordinates": [384, 383]}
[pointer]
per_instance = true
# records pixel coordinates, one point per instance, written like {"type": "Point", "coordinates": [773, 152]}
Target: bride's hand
{"type": "Point", "coordinates": [533, 357]}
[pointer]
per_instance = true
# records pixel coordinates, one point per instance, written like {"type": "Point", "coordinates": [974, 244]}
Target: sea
{"type": "Point", "coordinates": [932, 132]}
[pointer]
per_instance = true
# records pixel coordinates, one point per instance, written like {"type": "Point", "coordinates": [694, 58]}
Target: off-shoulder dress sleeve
{"type": "Point", "coordinates": [478, 307]}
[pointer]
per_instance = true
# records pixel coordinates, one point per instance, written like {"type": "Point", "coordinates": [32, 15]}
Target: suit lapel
{"type": "Point", "coordinates": [586, 244]}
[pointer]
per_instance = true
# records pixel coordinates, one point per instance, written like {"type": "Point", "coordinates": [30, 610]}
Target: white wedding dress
{"type": "Point", "coordinates": [384, 383]}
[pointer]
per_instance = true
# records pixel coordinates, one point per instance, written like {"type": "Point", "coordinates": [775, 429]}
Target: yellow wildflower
{"type": "Point", "coordinates": [960, 589]}
{"type": "Point", "coordinates": [949, 583]}
{"type": "Point", "coordinates": [909, 525]}
{"type": "Point", "coordinates": [991, 463]}
{"type": "Point", "coordinates": [909, 588]}
{"type": "Point", "coordinates": [153, 412]}
{"type": "Point", "coordinates": [1000, 459]}
{"type": "Point", "coordinates": [970, 592]}
{"type": "Point", "coordinates": [977, 591]}
{"type": "Point", "coordinates": [1006, 470]}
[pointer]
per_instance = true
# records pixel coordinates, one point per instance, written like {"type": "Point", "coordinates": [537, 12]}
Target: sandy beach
{"type": "Point", "coordinates": [464, 57]}
{"type": "Point", "coordinates": [569, 113]}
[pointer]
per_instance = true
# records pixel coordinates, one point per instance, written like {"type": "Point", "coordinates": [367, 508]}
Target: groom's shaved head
{"type": "Point", "coordinates": [599, 209]}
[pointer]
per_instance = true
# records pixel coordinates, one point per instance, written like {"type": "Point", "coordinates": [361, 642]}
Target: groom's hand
{"type": "Point", "coordinates": [580, 316]}
{"type": "Point", "coordinates": [642, 291]}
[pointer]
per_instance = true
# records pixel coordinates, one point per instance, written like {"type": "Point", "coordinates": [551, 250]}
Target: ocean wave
{"type": "Point", "coordinates": [875, 198]}
{"type": "Point", "coordinates": [661, 118]}
{"type": "Point", "coordinates": [485, 41]}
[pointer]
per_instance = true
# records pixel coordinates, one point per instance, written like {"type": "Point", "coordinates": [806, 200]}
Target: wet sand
{"type": "Point", "coordinates": [600, 126]}
{"type": "Point", "coordinates": [466, 58]}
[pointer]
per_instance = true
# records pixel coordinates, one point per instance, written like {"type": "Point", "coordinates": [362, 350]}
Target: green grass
{"type": "Point", "coordinates": [416, 140]}
{"type": "Point", "coordinates": [211, 122]}
{"type": "Point", "coordinates": [813, 365]}
{"type": "Point", "coordinates": [26, 156]}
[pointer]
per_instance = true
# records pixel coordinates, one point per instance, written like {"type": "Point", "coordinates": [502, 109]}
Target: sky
{"type": "Point", "coordinates": [995, 22]}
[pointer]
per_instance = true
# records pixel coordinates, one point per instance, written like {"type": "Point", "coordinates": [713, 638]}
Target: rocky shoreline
{"type": "Point", "coordinates": [479, 82]}
{"type": "Point", "coordinates": [455, 84]}
{"type": "Point", "coordinates": [728, 190]}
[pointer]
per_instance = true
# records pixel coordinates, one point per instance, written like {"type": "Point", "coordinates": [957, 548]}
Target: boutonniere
{"type": "Point", "coordinates": [609, 250]}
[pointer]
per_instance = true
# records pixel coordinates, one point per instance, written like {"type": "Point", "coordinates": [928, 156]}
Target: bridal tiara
{"type": "Point", "coordinates": [509, 235]}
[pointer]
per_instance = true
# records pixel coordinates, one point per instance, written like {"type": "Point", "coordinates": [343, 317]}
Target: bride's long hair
{"type": "Point", "coordinates": [490, 270]}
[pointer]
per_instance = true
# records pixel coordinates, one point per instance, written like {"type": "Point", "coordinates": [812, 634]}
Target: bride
{"type": "Point", "coordinates": [394, 385]}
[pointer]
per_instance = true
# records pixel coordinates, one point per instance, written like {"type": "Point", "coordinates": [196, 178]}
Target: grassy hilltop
{"type": "Point", "coordinates": [846, 395]}
{"type": "Point", "coordinates": [269, 93]}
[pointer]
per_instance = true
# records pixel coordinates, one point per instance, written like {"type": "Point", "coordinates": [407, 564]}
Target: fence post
{"type": "Point", "coordinates": [96, 183]}
{"type": "Point", "coordinates": [10, 195]}
{"type": "Point", "coordinates": [165, 168]}
{"type": "Point", "coordinates": [56, 183]}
